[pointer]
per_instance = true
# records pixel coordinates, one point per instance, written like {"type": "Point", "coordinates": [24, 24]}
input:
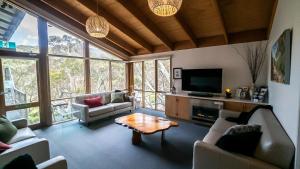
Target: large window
{"type": "Point", "coordinates": [18, 31]}
{"type": "Point", "coordinates": [20, 89]}
{"type": "Point", "coordinates": [73, 69]}
{"type": "Point", "coordinates": [99, 75]}
{"type": "Point", "coordinates": [118, 76]}
{"type": "Point", "coordinates": [66, 77]}
{"type": "Point", "coordinates": [152, 82]}
{"type": "Point", "coordinates": [66, 71]}
{"type": "Point", "coordinates": [63, 44]}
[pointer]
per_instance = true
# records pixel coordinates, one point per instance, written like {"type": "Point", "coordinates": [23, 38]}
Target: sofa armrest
{"type": "Point", "coordinates": [228, 113]}
{"type": "Point", "coordinates": [20, 123]}
{"type": "Point", "coordinates": [132, 100]}
{"type": "Point", "coordinates": [208, 156]}
{"type": "Point", "coordinates": [58, 162]}
{"type": "Point", "coordinates": [37, 148]}
{"type": "Point", "coordinates": [83, 111]}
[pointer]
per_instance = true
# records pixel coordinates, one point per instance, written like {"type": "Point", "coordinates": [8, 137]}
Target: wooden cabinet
{"type": "Point", "coordinates": [239, 106]}
{"type": "Point", "coordinates": [171, 108]}
{"type": "Point", "coordinates": [178, 107]}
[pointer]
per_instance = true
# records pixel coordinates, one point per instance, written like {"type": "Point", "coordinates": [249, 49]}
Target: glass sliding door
{"type": "Point", "coordinates": [152, 82]}
{"type": "Point", "coordinates": [20, 89]}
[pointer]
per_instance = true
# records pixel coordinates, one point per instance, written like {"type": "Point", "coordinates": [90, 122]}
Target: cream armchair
{"type": "Point", "coordinates": [58, 162]}
{"type": "Point", "coordinates": [25, 142]}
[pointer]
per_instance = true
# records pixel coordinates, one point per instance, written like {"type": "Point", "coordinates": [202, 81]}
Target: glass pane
{"type": "Point", "coordinates": [138, 98]}
{"type": "Point", "coordinates": [18, 30]}
{"type": "Point", "coordinates": [20, 81]}
{"type": "Point", "coordinates": [118, 76]}
{"type": "Point", "coordinates": [138, 75]}
{"type": "Point", "coordinates": [66, 77]}
{"type": "Point", "coordinates": [63, 43]}
{"type": "Point", "coordinates": [163, 75]}
{"type": "Point", "coordinates": [99, 75]}
{"type": "Point", "coordinates": [101, 54]}
{"type": "Point", "coordinates": [31, 114]}
{"type": "Point", "coordinates": [150, 100]}
{"type": "Point", "coordinates": [160, 101]}
{"type": "Point", "coordinates": [62, 110]}
{"type": "Point", "coordinates": [149, 75]}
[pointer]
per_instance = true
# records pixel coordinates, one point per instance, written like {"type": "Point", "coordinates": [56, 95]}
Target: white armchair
{"type": "Point", "coordinates": [58, 162]}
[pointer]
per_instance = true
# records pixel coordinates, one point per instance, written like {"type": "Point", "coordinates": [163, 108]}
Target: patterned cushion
{"type": "Point", "coordinates": [239, 129]}
{"type": "Point", "coordinates": [117, 97]}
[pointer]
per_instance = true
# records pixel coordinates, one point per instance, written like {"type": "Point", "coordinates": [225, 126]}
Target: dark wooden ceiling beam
{"type": "Point", "coordinates": [81, 19]}
{"type": "Point", "coordinates": [238, 37]}
{"type": "Point", "coordinates": [39, 8]}
{"type": "Point", "coordinates": [219, 14]}
{"type": "Point", "coordinates": [116, 23]}
{"type": "Point", "coordinates": [187, 29]}
{"type": "Point", "coordinates": [272, 18]}
{"type": "Point", "coordinates": [5, 21]}
{"type": "Point", "coordinates": [138, 14]}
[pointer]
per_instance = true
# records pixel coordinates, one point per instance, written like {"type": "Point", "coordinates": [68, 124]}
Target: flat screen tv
{"type": "Point", "coordinates": [202, 80]}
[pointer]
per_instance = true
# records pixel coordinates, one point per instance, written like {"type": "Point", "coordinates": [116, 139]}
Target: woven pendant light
{"type": "Point", "coordinates": [164, 7]}
{"type": "Point", "coordinates": [97, 26]}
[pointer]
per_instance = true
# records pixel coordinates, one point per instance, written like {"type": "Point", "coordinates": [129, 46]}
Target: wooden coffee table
{"type": "Point", "coordinates": [145, 124]}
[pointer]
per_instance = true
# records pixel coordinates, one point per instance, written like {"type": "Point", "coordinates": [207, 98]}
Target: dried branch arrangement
{"type": "Point", "coordinates": [255, 57]}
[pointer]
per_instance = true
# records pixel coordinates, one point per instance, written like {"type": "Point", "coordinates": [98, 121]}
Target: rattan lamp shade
{"type": "Point", "coordinates": [164, 7]}
{"type": "Point", "coordinates": [97, 26]}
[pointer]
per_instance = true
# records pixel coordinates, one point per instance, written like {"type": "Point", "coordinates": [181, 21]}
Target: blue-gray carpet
{"type": "Point", "coordinates": [106, 145]}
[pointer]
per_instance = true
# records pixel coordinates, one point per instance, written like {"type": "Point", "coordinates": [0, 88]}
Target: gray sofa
{"type": "Point", "coordinates": [86, 114]}
{"type": "Point", "coordinates": [26, 142]}
{"type": "Point", "coordinates": [275, 149]}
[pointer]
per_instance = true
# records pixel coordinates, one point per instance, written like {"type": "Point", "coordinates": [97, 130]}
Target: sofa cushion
{"type": "Point", "coordinates": [104, 95]}
{"type": "Point", "coordinates": [93, 102]}
{"type": "Point", "coordinates": [96, 111]}
{"type": "Point", "coordinates": [7, 129]}
{"type": "Point", "coordinates": [22, 134]}
{"type": "Point", "coordinates": [275, 145]}
{"type": "Point", "coordinates": [118, 106]}
{"type": "Point", "coordinates": [240, 139]}
{"type": "Point", "coordinates": [117, 97]}
{"type": "Point", "coordinates": [221, 125]}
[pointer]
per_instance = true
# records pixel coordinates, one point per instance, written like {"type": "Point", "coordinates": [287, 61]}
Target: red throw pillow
{"type": "Point", "coordinates": [93, 102]}
{"type": "Point", "coordinates": [4, 147]}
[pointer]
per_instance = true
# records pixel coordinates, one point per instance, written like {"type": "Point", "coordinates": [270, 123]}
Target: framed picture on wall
{"type": "Point", "coordinates": [177, 73]}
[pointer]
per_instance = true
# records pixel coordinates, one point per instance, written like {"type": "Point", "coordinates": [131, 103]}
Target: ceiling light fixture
{"type": "Point", "coordinates": [164, 7]}
{"type": "Point", "coordinates": [97, 26]}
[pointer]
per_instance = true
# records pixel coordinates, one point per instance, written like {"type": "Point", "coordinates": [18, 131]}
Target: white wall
{"type": "Point", "coordinates": [285, 98]}
{"type": "Point", "coordinates": [235, 70]}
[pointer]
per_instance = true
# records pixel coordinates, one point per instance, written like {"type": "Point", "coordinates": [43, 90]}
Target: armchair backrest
{"type": "Point", "coordinates": [275, 146]}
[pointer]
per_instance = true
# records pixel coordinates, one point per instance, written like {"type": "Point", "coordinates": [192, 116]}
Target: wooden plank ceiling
{"type": "Point", "coordinates": [199, 23]}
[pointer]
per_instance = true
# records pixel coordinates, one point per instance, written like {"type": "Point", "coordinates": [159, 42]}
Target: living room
{"type": "Point", "coordinates": [158, 84]}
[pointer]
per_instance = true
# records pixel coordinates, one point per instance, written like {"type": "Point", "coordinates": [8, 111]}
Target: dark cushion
{"type": "Point", "coordinates": [241, 139]}
{"type": "Point", "coordinates": [93, 102]}
{"type": "Point", "coordinates": [7, 129]}
{"type": "Point", "coordinates": [245, 116]}
{"type": "Point", "coordinates": [21, 162]}
{"type": "Point", "coordinates": [117, 97]}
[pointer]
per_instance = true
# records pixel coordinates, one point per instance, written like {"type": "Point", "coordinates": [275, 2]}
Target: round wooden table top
{"type": "Point", "coordinates": [144, 123]}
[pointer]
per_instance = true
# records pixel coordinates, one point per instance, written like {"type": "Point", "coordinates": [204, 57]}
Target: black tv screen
{"type": "Point", "coordinates": [202, 80]}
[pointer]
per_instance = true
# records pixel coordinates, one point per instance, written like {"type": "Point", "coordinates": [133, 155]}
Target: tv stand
{"type": "Point", "coordinates": [201, 94]}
